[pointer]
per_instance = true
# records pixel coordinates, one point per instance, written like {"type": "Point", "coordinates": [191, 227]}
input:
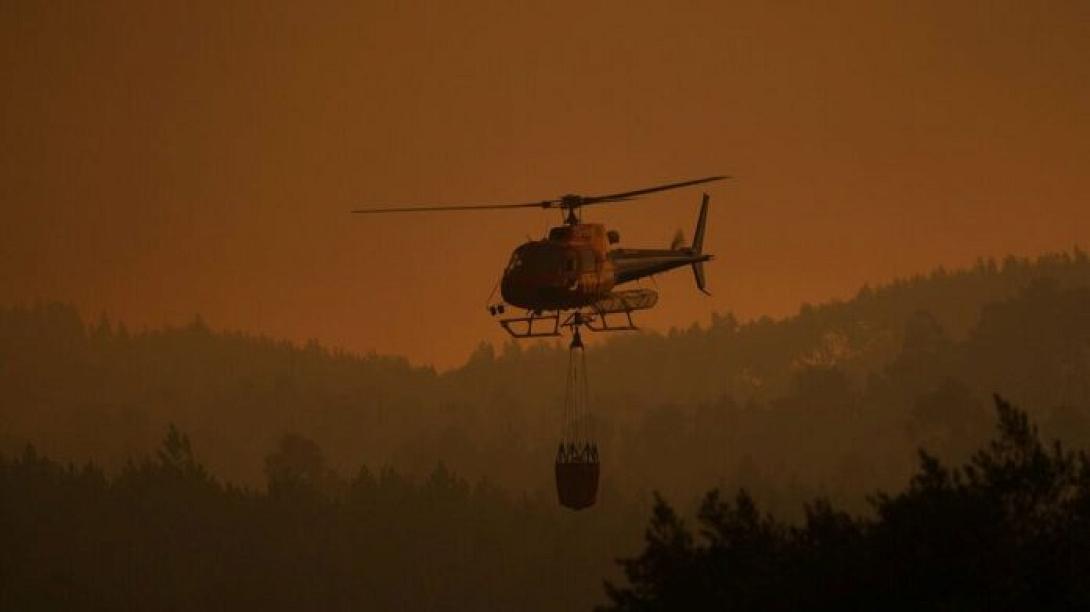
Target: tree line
{"type": "Point", "coordinates": [1007, 529]}
{"type": "Point", "coordinates": [163, 533]}
{"type": "Point", "coordinates": [830, 401]}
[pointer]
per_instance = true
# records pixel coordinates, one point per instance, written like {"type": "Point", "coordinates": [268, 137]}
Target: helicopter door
{"type": "Point", "coordinates": [587, 263]}
{"type": "Point", "coordinates": [588, 270]}
{"type": "Point", "coordinates": [570, 270]}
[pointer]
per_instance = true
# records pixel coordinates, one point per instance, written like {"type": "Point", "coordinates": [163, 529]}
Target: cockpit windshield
{"type": "Point", "coordinates": [515, 263]}
{"type": "Point", "coordinates": [537, 258]}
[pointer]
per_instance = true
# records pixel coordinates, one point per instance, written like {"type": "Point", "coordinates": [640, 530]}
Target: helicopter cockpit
{"type": "Point", "coordinates": [515, 263]}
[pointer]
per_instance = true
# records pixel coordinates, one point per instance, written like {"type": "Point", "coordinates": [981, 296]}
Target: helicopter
{"type": "Point", "coordinates": [568, 278]}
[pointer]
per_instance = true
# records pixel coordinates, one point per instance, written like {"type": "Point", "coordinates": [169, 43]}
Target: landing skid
{"type": "Point", "coordinates": [600, 323]}
{"type": "Point", "coordinates": [523, 327]}
{"type": "Point", "coordinates": [548, 323]}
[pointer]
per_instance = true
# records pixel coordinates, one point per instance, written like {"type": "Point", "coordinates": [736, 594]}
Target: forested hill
{"type": "Point", "coordinates": [831, 400]}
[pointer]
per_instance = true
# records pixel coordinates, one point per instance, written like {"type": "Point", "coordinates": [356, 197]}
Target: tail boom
{"type": "Point", "coordinates": [632, 264]}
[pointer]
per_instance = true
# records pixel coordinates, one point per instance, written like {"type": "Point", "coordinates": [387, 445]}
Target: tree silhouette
{"type": "Point", "coordinates": [298, 469]}
{"type": "Point", "coordinates": [829, 403]}
{"type": "Point", "coordinates": [1006, 530]}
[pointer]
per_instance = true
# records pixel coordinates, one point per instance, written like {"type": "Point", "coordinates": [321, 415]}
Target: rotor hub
{"type": "Point", "coordinates": [570, 203]}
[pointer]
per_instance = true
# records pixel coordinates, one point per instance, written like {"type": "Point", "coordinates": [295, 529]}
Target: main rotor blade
{"type": "Point", "coordinates": [542, 204]}
{"type": "Point", "coordinates": [571, 201]}
{"type": "Point", "coordinates": [626, 195]}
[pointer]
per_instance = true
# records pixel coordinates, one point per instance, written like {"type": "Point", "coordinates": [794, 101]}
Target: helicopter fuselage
{"type": "Point", "coordinates": [574, 267]}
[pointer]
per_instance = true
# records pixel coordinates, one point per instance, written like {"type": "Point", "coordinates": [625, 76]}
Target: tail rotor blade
{"type": "Point", "coordinates": [678, 241]}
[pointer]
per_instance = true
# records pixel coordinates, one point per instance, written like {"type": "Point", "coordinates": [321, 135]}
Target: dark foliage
{"type": "Point", "coordinates": [163, 534]}
{"type": "Point", "coordinates": [829, 402]}
{"type": "Point", "coordinates": [1008, 530]}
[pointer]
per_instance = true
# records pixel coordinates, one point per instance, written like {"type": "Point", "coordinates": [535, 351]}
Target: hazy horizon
{"type": "Point", "coordinates": [172, 160]}
{"type": "Point", "coordinates": [498, 339]}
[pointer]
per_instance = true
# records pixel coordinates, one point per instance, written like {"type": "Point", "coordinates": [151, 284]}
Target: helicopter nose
{"type": "Point", "coordinates": [510, 289]}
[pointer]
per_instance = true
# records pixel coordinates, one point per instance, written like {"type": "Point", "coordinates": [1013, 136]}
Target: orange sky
{"type": "Point", "coordinates": [159, 161]}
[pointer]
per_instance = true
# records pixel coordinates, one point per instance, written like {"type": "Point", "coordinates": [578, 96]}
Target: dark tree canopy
{"type": "Point", "coordinates": [333, 457]}
{"type": "Point", "coordinates": [1009, 529]}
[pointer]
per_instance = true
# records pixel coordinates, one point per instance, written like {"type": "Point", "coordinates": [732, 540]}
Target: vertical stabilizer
{"type": "Point", "coordinates": [702, 220]}
{"type": "Point", "coordinates": [698, 245]}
